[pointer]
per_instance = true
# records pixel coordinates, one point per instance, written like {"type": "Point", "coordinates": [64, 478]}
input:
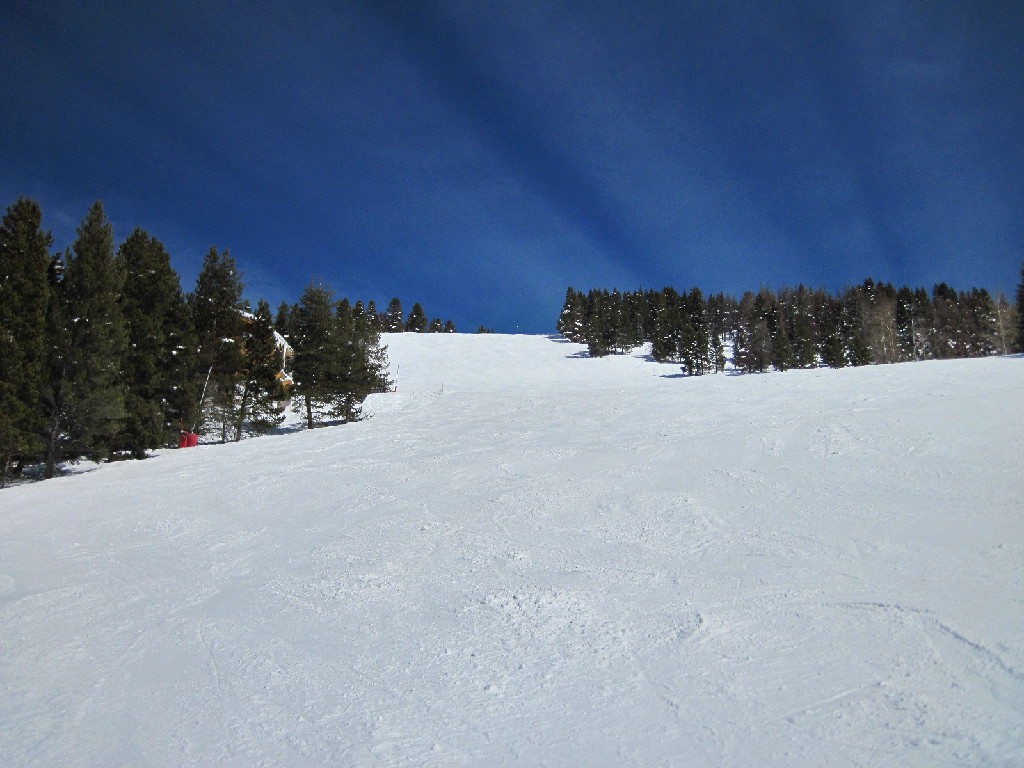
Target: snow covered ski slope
{"type": "Point", "coordinates": [528, 557]}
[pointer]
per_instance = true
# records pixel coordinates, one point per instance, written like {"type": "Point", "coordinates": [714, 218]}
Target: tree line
{"type": "Point", "coordinates": [102, 354]}
{"type": "Point", "coordinates": [390, 320]}
{"type": "Point", "coordinates": [796, 327]}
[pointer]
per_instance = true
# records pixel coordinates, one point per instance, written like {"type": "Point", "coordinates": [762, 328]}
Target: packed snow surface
{"type": "Point", "coordinates": [529, 557]}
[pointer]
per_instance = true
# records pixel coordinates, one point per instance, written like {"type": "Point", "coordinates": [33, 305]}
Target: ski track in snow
{"type": "Point", "coordinates": [528, 557]}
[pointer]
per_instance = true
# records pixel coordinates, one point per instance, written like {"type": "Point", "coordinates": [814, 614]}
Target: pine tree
{"type": "Point", "coordinates": [924, 313]}
{"type": "Point", "coordinates": [805, 351]}
{"type": "Point", "coordinates": [345, 316]}
{"type": "Point", "coordinates": [93, 282]}
{"type": "Point", "coordinates": [436, 326]}
{"type": "Point", "coordinates": [1020, 310]}
{"type": "Point", "coordinates": [829, 320]}
{"type": "Point", "coordinates": [283, 319]}
{"type": "Point", "coordinates": [783, 357]}
{"type": "Point", "coordinates": [157, 365]}
{"type": "Point", "coordinates": [946, 336]}
{"type": "Point", "coordinates": [597, 325]}
{"type": "Point", "coordinates": [722, 313]}
{"type": "Point", "coordinates": [364, 370]}
{"type": "Point", "coordinates": [318, 390]}
{"type": "Point", "coordinates": [215, 307]}
{"type": "Point", "coordinates": [393, 321]}
{"type": "Point", "coordinates": [56, 390]}
{"type": "Point", "coordinates": [752, 341]}
{"type": "Point", "coordinates": [742, 357]}
{"type": "Point", "coordinates": [780, 349]}
{"type": "Point", "coordinates": [449, 327]}
{"type": "Point", "coordinates": [697, 343]}
{"type": "Point", "coordinates": [667, 322]}
{"type": "Point", "coordinates": [572, 320]}
{"type": "Point", "coordinates": [373, 317]}
{"type": "Point", "coordinates": [24, 297]}
{"type": "Point", "coordinates": [851, 327]}
{"type": "Point", "coordinates": [335, 366]}
{"type": "Point", "coordinates": [651, 308]}
{"type": "Point", "coordinates": [417, 322]}
{"type": "Point", "coordinates": [260, 390]}
{"type": "Point", "coordinates": [718, 353]}
{"type": "Point", "coordinates": [627, 334]}
{"type": "Point", "coordinates": [981, 323]}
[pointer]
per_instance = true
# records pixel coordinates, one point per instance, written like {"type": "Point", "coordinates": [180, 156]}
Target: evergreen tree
{"type": "Point", "coordinates": [361, 320]}
{"type": "Point", "coordinates": [393, 322]}
{"type": "Point", "coordinates": [718, 353]}
{"type": "Point", "coordinates": [914, 318]}
{"type": "Point", "coordinates": [760, 345]}
{"type": "Point", "coordinates": [924, 312]}
{"type": "Point", "coordinates": [652, 308]}
{"type": "Point", "coordinates": [417, 322]}
{"type": "Point", "coordinates": [667, 311]}
{"type": "Point", "coordinates": [92, 284]}
{"type": "Point", "coordinates": [24, 298]}
{"type": "Point", "coordinates": [282, 321]}
{"type": "Point", "coordinates": [56, 390]}
{"type": "Point", "coordinates": [334, 368]}
{"type": "Point", "coordinates": [317, 346]}
{"type": "Point", "coordinates": [599, 329]}
{"type": "Point", "coordinates": [859, 352]}
{"type": "Point", "coordinates": [693, 344]}
{"type": "Point", "coordinates": [981, 329]}
{"type": "Point", "coordinates": [742, 356]}
{"type": "Point", "coordinates": [829, 320]}
{"type": "Point", "coordinates": [572, 320]}
{"type": "Point", "coordinates": [1020, 310]}
{"type": "Point", "coordinates": [260, 391]}
{"type": "Point", "coordinates": [157, 365]}
{"type": "Point", "coordinates": [851, 325]}
{"type": "Point", "coordinates": [800, 309]}
{"type": "Point", "coordinates": [722, 313]}
{"type": "Point", "coordinates": [449, 327]}
{"type": "Point", "coordinates": [374, 317]}
{"type": "Point", "coordinates": [752, 341]}
{"type": "Point", "coordinates": [436, 326]}
{"type": "Point", "coordinates": [628, 326]}
{"type": "Point", "coordinates": [946, 338]}
{"type": "Point", "coordinates": [346, 318]}
{"type": "Point", "coordinates": [364, 369]}
{"type": "Point", "coordinates": [216, 309]}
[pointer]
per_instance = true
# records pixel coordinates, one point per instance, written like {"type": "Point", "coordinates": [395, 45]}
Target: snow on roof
{"type": "Point", "coordinates": [282, 343]}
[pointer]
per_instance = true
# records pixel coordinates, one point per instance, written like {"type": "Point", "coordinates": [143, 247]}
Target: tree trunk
{"type": "Point", "coordinates": [51, 448]}
{"type": "Point", "coordinates": [309, 412]}
{"type": "Point", "coordinates": [241, 410]}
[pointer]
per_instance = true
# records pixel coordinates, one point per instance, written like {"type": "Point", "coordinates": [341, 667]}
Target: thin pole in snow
{"type": "Point", "coordinates": [202, 397]}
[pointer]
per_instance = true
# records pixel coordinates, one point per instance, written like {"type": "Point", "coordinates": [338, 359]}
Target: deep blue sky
{"type": "Point", "coordinates": [480, 157]}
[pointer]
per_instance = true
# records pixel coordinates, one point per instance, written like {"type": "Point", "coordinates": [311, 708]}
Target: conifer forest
{"type": "Point", "coordinates": [795, 327]}
{"type": "Point", "coordinates": [103, 356]}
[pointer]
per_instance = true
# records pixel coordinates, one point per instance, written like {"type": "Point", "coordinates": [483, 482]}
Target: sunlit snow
{"type": "Point", "coordinates": [529, 557]}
